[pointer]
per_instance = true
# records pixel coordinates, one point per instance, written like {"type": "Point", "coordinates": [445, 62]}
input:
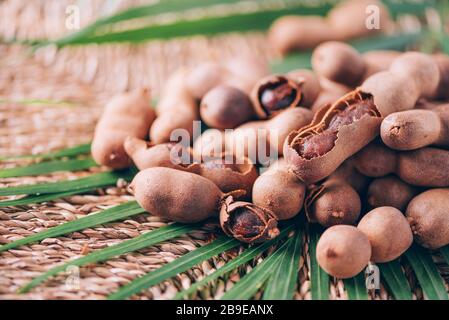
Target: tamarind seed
{"type": "Point", "coordinates": [275, 93]}
{"type": "Point", "coordinates": [247, 222]}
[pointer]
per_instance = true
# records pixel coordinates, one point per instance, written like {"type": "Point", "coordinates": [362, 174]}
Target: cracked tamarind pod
{"type": "Point", "coordinates": [334, 201]}
{"type": "Point", "coordinates": [177, 109]}
{"type": "Point", "coordinates": [428, 215]}
{"type": "Point", "coordinates": [343, 251]}
{"type": "Point", "coordinates": [414, 129]}
{"type": "Point", "coordinates": [390, 191]}
{"type": "Point", "coordinates": [388, 232]}
{"type": "Point", "coordinates": [276, 93]}
{"type": "Point", "coordinates": [128, 114]}
{"type": "Point", "coordinates": [247, 222]}
{"type": "Point", "coordinates": [280, 191]}
{"type": "Point", "coordinates": [343, 128]}
{"type": "Point", "coordinates": [251, 138]}
{"type": "Point", "coordinates": [425, 167]}
{"type": "Point", "coordinates": [226, 171]}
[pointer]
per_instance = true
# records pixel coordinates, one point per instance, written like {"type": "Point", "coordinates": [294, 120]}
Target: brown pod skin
{"type": "Point", "coordinates": [278, 190]}
{"type": "Point", "coordinates": [246, 70]}
{"type": "Point", "coordinates": [269, 133]}
{"type": "Point", "coordinates": [311, 86]}
{"type": "Point", "coordinates": [210, 144]}
{"type": "Point", "coordinates": [247, 222]}
{"type": "Point", "coordinates": [339, 62]}
{"type": "Point", "coordinates": [442, 61]}
{"type": "Point", "coordinates": [274, 94]}
{"type": "Point", "coordinates": [169, 155]}
{"type": "Point", "coordinates": [226, 107]}
{"type": "Point", "coordinates": [378, 60]}
{"type": "Point", "coordinates": [414, 129]}
{"type": "Point", "coordinates": [421, 68]}
{"type": "Point", "coordinates": [388, 232]}
{"type": "Point", "coordinates": [332, 202]}
{"type": "Point", "coordinates": [428, 216]}
{"type": "Point", "coordinates": [390, 191]}
{"type": "Point", "coordinates": [205, 76]}
{"type": "Point", "coordinates": [291, 33]}
{"type": "Point", "coordinates": [375, 160]}
{"type": "Point", "coordinates": [125, 115]}
{"type": "Point", "coordinates": [349, 174]}
{"type": "Point", "coordinates": [176, 195]}
{"type": "Point", "coordinates": [349, 19]}
{"type": "Point", "coordinates": [315, 151]}
{"type": "Point", "coordinates": [343, 251]}
{"type": "Point", "coordinates": [330, 92]}
{"type": "Point", "coordinates": [177, 109]}
{"type": "Point", "coordinates": [230, 174]}
{"type": "Point", "coordinates": [426, 167]}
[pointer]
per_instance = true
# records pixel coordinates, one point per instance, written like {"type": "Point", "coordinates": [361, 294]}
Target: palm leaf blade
{"type": "Point", "coordinates": [356, 287]}
{"type": "Point", "coordinates": [319, 279]}
{"type": "Point", "coordinates": [395, 280]}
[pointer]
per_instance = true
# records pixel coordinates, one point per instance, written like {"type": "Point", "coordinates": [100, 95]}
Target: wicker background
{"type": "Point", "coordinates": [86, 77]}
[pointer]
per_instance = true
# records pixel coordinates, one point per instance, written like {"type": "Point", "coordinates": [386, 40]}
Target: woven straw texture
{"type": "Point", "coordinates": [86, 77]}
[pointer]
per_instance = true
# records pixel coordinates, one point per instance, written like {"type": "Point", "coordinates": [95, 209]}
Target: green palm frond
{"type": "Point", "coordinates": [356, 287]}
{"type": "Point", "coordinates": [395, 279]}
{"type": "Point", "coordinates": [142, 241]}
{"type": "Point", "coordinates": [67, 152]}
{"type": "Point", "coordinates": [319, 279]}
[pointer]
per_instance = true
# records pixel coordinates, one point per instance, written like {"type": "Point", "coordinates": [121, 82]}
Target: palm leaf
{"type": "Point", "coordinates": [395, 280]}
{"type": "Point", "coordinates": [96, 180]}
{"type": "Point", "coordinates": [242, 258]}
{"type": "Point", "coordinates": [427, 273]}
{"type": "Point", "coordinates": [68, 152]}
{"type": "Point", "coordinates": [142, 241]}
{"type": "Point", "coordinates": [302, 59]}
{"type": "Point", "coordinates": [175, 267]}
{"type": "Point", "coordinates": [445, 253]}
{"type": "Point", "coordinates": [356, 287]}
{"type": "Point", "coordinates": [35, 199]}
{"type": "Point", "coordinates": [254, 280]}
{"type": "Point", "coordinates": [118, 212]}
{"type": "Point", "coordinates": [48, 167]}
{"type": "Point", "coordinates": [319, 279]}
{"type": "Point", "coordinates": [281, 284]}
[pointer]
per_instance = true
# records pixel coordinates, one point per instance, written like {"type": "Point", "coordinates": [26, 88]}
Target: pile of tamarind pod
{"type": "Point", "coordinates": [347, 20]}
{"type": "Point", "coordinates": [361, 144]}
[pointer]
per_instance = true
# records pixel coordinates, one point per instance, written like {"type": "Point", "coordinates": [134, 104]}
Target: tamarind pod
{"type": "Point", "coordinates": [169, 155]}
{"type": "Point", "coordinates": [442, 61]}
{"type": "Point", "coordinates": [338, 62]}
{"type": "Point", "coordinates": [247, 222]}
{"type": "Point", "coordinates": [274, 94]}
{"type": "Point", "coordinates": [279, 190]}
{"type": "Point", "coordinates": [313, 160]}
{"type": "Point", "coordinates": [425, 167]}
{"type": "Point", "coordinates": [378, 60]}
{"type": "Point", "coordinates": [310, 88]}
{"type": "Point", "coordinates": [414, 129]}
{"type": "Point", "coordinates": [175, 93]}
{"type": "Point", "coordinates": [245, 71]}
{"type": "Point", "coordinates": [390, 191]}
{"type": "Point", "coordinates": [375, 160]}
{"type": "Point", "coordinates": [176, 195]}
{"type": "Point", "coordinates": [210, 144]}
{"type": "Point", "coordinates": [330, 92]}
{"type": "Point", "coordinates": [230, 173]}
{"type": "Point", "coordinates": [332, 202]}
{"type": "Point", "coordinates": [420, 67]}
{"type": "Point", "coordinates": [429, 219]}
{"type": "Point", "coordinates": [248, 139]}
{"type": "Point", "coordinates": [348, 173]}
{"type": "Point", "coordinates": [290, 33]}
{"type": "Point", "coordinates": [204, 77]}
{"type": "Point", "coordinates": [125, 115]}
{"type": "Point", "coordinates": [349, 19]}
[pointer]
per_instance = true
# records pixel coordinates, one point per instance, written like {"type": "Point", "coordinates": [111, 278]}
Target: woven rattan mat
{"type": "Point", "coordinates": [84, 78]}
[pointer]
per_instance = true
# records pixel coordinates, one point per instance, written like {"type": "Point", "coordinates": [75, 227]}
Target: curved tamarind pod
{"type": "Point", "coordinates": [340, 130]}
{"type": "Point", "coordinates": [311, 86]}
{"type": "Point", "coordinates": [414, 129]}
{"type": "Point", "coordinates": [279, 190]}
{"type": "Point", "coordinates": [125, 115]}
{"type": "Point", "coordinates": [378, 60]}
{"type": "Point", "coordinates": [442, 60]}
{"type": "Point", "coordinates": [390, 191]}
